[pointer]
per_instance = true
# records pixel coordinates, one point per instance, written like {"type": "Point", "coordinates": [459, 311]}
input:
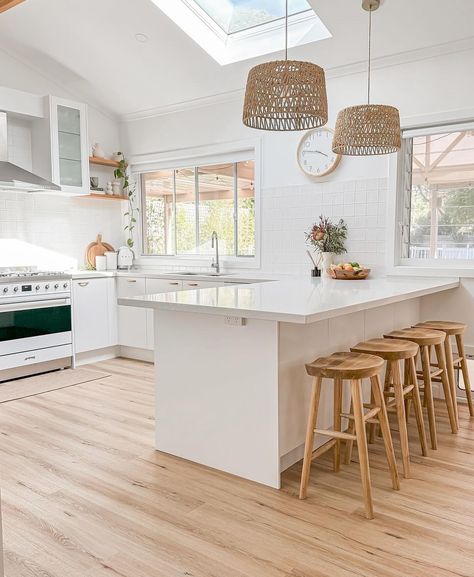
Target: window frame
{"type": "Point", "coordinates": [200, 156]}
{"type": "Point", "coordinates": [395, 262]}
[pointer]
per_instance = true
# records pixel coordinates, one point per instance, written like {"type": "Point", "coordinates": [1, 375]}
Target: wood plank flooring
{"type": "Point", "coordinates": [85, 495]}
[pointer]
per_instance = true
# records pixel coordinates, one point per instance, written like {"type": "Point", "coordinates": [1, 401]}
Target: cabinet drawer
{"type": "Point", "coordinates": [197, 284]}
{"type": "Point", "coordinates": [130, 286]}
{"type": "Point", "coordinates": [161, 285]}
{"type": "Point", "coordinates": [33, 357]}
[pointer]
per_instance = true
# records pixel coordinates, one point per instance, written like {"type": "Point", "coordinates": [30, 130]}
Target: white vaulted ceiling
{"type": "Point", "coordinates": [89, 46]}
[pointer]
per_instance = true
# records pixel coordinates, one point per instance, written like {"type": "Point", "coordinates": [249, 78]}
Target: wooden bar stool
{"type": "Point", "coordinates": [425, 339]}
{"type": "Point", "coordinates": [393, 351]}
{"type": "Point", "coordinates": [353, 367]}
{"type": "Point", "coordinates": [457, 330]}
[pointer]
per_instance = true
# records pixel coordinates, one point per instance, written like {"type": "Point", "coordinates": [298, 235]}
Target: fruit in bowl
{"type": "Point", "coordinates": [348, 271]}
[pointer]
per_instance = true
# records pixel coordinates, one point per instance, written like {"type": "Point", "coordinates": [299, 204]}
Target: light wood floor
{"type": "Point", "coordinates": [85, 495]}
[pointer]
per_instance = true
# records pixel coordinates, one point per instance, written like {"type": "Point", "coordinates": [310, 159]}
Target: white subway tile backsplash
{"type": "Point", "coordinates": [361, 203]}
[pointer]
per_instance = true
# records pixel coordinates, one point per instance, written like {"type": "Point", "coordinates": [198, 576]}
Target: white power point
{"type": "Point", "coordinates": [234, 321]}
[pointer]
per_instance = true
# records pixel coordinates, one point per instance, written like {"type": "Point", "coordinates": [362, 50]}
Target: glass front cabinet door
{"type": "Point", "coordinates": [69, 140]}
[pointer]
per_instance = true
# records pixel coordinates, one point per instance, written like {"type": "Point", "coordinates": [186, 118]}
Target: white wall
{"type": "Point", "coordinates": [291, 201]}
{"type": "Point", "coordinates": [52, 229]}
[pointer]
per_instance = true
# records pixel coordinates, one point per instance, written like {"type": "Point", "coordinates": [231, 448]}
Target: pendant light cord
{"type": "Point", "coordinates": [370, 55]}
{"type": "Point", "coordinates": [286, 30]}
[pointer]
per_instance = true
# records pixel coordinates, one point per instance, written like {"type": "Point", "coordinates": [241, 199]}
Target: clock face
{"type": "Point", "coordinates": [315, 155]}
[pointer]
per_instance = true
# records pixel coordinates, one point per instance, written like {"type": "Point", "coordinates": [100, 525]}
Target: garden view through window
{"type": "Point", "coordinates": [182, 207]}
{"type": "Point", "coordinates": [439, 196]}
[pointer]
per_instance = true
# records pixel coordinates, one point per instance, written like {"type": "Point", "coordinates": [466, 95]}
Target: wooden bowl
{"type": "Point", "coordinates": [349, 274]}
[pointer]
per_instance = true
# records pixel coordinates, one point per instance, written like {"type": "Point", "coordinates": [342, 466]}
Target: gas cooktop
{"type": "Point", "coordinates": [22, 273]}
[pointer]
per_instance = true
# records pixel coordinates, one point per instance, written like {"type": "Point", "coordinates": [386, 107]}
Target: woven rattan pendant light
{"type": "Point", "coordinates": [367, 129]}
{"type": "Point", "coordinates": [285, 94]}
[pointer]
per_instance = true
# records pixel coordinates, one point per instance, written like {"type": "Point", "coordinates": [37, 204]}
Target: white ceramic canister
{"type": "Point", "coordinates": [100, 262]}
{"type": "Point", "coordinates": [111, 260]}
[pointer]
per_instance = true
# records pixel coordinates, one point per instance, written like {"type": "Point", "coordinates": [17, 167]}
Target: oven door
{"type": "Point", "coordinates": [29, 326]}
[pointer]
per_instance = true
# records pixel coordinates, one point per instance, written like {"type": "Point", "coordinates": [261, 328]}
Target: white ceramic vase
{"type": "Point", "coordinates": [326, 262]}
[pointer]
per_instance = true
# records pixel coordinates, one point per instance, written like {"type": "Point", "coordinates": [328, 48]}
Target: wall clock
{"type": "Point", "coordinates": [315, 155]}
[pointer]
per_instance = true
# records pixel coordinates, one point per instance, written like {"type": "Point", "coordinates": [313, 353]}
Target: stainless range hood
{"type": "Point", "coordinates": [12, 177]}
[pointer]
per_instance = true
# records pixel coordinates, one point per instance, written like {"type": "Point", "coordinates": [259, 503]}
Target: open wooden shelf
{"type": "Point", "coordinates": [103, 161]}
{"type": "Point", "coordinates": [104, 196]}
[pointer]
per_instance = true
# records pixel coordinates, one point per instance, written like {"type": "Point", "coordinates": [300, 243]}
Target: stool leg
{"type": "Point", "coordinates": [386, 385]}
{"type": "Point", "coordinates": [371, 437]}
{"type": "Point", "coordinates": [428, 396]}
{"type": "Point", "coordinates": [407, 381]}
{"type": "Point", "coordinates": [447, 389]}
{"type": "Point", "coordinates": [448, 356]}
{"type": "Point", "coordinates": [385, 428]}
{"type": "Point", "coordinates": [356, 390]}
{"type": "Point", "coordinates": [417, 406]}
{"type": "Point", "coordinates": [308, 448]}
{"type": "Point", "coordinates": [402, 421]}
{"type": "Point", "coordinates": [465, 373]}
{"type": "Point", "coordinates": [349, 442]}
{"type": "Point", "coordinates": [337, 423]}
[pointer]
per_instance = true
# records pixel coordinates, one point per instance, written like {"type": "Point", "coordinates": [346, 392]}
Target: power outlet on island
{"type": "Point", "coordinates": [234, 321]}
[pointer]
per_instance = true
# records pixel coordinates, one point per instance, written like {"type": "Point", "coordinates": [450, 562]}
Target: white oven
{"type": "Point", "coordinates": [35, 327]}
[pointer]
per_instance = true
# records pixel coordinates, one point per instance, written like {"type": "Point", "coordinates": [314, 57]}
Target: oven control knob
{"type": "Point", "coordinates": [65, 285]}
{"type": "Point", "coordinates": [15, 289]}
{"type": "Point", "coordinates": [5, 290]}
{"type": "Point", "coordinates": [37, 287]}
{"type": "Point", "coordinates": [56, 286]}
{"type": "Point", "coordinates": [46, 286]}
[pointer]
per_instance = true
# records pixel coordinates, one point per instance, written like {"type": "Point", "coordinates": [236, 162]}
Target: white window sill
{"type": "Point", "coordinates": [448, 270]}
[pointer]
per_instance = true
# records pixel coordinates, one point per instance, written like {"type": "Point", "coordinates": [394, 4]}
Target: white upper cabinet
{"type": "Point", "coordinates": [69, 145]}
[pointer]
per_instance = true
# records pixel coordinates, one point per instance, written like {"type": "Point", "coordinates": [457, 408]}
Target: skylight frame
{"type": "Point", "coordinates": [303, 28]}
{"type": "Point", "coordinates": [273, 19]}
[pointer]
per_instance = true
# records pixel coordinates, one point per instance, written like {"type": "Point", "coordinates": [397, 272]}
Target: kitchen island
{"type": "Point", "coordinates": [231, 388]}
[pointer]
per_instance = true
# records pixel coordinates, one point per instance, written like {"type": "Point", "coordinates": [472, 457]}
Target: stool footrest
{"type": "Point", "coordinates": [369, 415]}
{"type": "Point", "coordinates": [323, 449]}
{"type": "Point", "coordinates": [432, 373]}
{"type": "Point", "coordinates": [458, 360]}
{"type": "Point", "coordinates": [335, 434]}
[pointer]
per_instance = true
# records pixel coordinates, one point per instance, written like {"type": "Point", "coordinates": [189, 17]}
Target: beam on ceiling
{"type": "Point", "coordinates": [7, 4]}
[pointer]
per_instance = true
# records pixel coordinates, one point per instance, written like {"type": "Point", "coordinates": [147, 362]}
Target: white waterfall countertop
{"type": "Point", "coordinates": [295, 300]}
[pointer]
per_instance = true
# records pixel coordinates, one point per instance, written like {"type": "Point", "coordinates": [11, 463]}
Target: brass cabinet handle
{"type": "Point", "coordinates": [193, 284]}
{"type": "Point", "coordinates": [131, 280]}
{"type": "Point", "coordinates": [83, 283]}
{"type": "Point", "coordinates": [174, 283]}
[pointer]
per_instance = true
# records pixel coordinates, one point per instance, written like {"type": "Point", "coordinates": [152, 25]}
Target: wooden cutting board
{"type": "Point", "coordinates": [97, 248]}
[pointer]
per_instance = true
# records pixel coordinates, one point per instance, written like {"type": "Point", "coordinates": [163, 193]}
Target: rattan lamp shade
{"type": "Point", "coordinates": [366, 130]}
{"type": "Point", "coordinates": [285, 95]}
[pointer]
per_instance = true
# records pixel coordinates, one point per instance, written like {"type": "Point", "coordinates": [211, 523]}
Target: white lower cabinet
{"type": "Point", "coordinates": [132, 321]}
{"type": "Point", "coordinates": [155, 286]}
{"type": "Point", "coordinates": [99, 322]}
{"type": "Point", "coordinates": [94, 307]}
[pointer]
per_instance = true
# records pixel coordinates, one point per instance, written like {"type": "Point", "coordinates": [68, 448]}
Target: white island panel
{"type": "Point", "coordinates": [217, 393]}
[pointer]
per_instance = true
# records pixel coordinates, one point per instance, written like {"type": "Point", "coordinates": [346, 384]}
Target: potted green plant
{"type": "Point", "coordinates": [328, 239]}
{"type": "Point", "coordinates": [128, 190]}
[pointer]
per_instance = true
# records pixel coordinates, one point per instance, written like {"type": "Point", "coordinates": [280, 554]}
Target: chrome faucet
{"type": "Point", "coordinates": [215, 244]}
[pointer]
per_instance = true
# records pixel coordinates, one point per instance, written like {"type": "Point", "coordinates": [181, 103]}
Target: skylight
{"type": "Point", "coordinates": [234, 30]}
{"type": "Point", "coordinates": [237, 15]}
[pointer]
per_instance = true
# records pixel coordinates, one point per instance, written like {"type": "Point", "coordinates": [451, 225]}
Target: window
{"type": "Point", "coordinates": [438, 194]}
{"type": "Point", "coordinates": [234, 30]}
{"type": "Point", "coordinates": [237, 15]}
{"type": "Point", "coordinates": [182, 207]}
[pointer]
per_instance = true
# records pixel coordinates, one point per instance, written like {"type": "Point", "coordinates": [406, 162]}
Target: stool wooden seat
{"type": "Point", "coordinates": [456, 330]}
{"type": "Point", "coordinates": [397, 392]}
{"type": "Point", "coordinates": [354, 367]}
{"type": "Point", "coordinates": [425, 339]}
